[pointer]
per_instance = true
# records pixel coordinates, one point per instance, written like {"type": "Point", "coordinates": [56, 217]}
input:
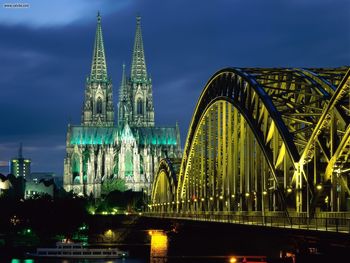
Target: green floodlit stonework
{"type": "Point", "coordinates": [113, 135]}
{"type": "Point", "coordinates": [100, 153]}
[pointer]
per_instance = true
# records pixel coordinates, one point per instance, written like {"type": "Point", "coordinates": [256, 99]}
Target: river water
{"type": "Point", "coordinates": [175, 243]}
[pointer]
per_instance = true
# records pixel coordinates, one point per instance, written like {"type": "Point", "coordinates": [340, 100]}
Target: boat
{"type": "Point", "coordinates": [68, 249]}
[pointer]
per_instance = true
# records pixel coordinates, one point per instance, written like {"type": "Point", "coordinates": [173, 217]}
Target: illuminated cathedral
{"type": "Point", "coordinates": [101, 155]}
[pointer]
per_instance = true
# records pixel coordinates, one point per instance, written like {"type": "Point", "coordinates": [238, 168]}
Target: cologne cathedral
{"type": "Point", "coordinates": [101, 152]}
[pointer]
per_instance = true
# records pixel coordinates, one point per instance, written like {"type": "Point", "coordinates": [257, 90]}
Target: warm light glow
{"type": "Point", "coordinates": [108, 233]}
{"type": "Point", "coordinates": [202, 199]}
{"type": "Point", "coordinates": [150, 232]}
{"type": "Point", "coordinates": [211, 198]}
{"type": "Point", "coordinates": [264, 192]}
{"type": "Point", "coordinates": [247, 194]}
{"type": "Point", "coordinates": [159, 244]}
{"type": "Point", "coordinates": [221, 197]}
{"type": "Point", "coordinates": [319, 187]}
{"type": "Point", "coordinates": [289, 190]}
{"type": "Point", "coordinates": [233, 260]}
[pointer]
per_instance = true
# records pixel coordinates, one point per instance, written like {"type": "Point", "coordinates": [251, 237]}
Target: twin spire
{"type": "Point", "coordinates": [138, 67]}
{"type": "Point", "coordinates": [99, 65]}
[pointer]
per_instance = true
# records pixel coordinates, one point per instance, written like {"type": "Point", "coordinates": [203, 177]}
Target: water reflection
{"type": "Point", "coordinates": [159, 246]}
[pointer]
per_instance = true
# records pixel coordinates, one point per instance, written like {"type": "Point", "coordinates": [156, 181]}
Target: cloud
{"type": "Point", "coordinates": [45, 54]}
{"type": "Point", "coordinates": [43, 13]}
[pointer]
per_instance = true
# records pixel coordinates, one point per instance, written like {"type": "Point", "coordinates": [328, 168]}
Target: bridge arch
{"type": "Point", "coordinates": [163, 197]}
{"type": "Point", "coordinates": [270, 113]}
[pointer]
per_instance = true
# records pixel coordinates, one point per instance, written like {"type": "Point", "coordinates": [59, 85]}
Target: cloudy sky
{"type": "Point", "coordinates": [46, 52]}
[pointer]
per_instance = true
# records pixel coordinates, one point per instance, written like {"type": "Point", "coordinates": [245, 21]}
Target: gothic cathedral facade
{"type": "Point", "coordinates": [100, 153]}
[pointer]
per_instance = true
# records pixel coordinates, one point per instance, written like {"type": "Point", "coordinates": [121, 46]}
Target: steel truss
{"type": "Point", "coordinates": [265, 140]}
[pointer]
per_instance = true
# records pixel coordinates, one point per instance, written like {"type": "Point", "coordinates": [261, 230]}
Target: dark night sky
{"type": "Point", "coordinates": [46, 52]}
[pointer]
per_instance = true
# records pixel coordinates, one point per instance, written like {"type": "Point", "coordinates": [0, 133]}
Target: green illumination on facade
{"type": "Point", "coordinates": [80, 135]}
{"type": "Point", "coordinates": [100, 153]}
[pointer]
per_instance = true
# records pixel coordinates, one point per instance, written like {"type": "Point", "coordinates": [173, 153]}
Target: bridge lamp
{"type": "Point", "coordinates": [202, 199]}
{"type": "Point", "coordinates": [247, 194]}
{"type": "Point", "coordinates": [183, 201]}
{"type": "Point", "coordinates": [264, 192]}
{"type": "Point", "coordinates": [319, 187]}
{"type": "Point", "coordinates": [178, 202]}
{"type": "Point", "coordinates": [168, 203]}
{"type": "Point", "coordinates": [233, 196]}
{"type": "Point", "coordinates": [221, 197]}
{"type": "Point", "coordinates": [211, 198]}
{"type": "Point", "coordinates": [173, 202]}
{"type": "Point", "coordinates": [195, 199]}
{"type": "Point", "coordinates": [188, 200]}
{"type": "Point", "coordinates": [289, 190]}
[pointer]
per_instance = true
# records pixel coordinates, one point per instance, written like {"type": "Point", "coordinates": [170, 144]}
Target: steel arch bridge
{"type": "Point", "coordinates": [264, 139]}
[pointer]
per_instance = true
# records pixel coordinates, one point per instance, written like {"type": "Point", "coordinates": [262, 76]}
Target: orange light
{"type": "Point", "coordinates": [233, 260]}
{"type": "Point", "coordinates": [150, 232]}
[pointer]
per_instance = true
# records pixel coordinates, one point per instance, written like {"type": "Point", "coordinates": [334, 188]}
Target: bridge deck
{"type": "Point", "coordinates": [339, 224]}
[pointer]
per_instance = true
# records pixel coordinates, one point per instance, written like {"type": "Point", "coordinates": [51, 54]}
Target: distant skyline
{"type": "Point", "coordinates": [46, 53]}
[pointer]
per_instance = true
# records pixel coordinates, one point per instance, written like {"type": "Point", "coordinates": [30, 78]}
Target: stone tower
{"type": "Point", "coordinates": [98, 109]}
{"type": "Point", "coordinates": [135, 105]}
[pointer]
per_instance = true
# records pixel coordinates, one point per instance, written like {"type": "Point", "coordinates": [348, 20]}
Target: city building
{"type": "Point", "coordinates": [37, 188]}
{"type": "Point", "coordinates": [20, 166]}
{"type": "Point", "coordinates": [102, 156]}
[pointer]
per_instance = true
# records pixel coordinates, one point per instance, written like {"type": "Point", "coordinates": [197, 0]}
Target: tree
{"type": "Point", "coordinates": [110, 185]}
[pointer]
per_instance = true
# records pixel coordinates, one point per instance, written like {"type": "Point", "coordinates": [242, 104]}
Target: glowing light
{"type": "Point", "coordinates": [233, 260]}
{"type": "Point", "coordinates": [108, 233]}
{"type": "Point", "coordinates": [264, 192]}
{"type": "Point", "coordinates": [202, 199]}
{"type": "Point", "coordinates": [159, 244]}
{"type": "Point", "coordinates": [247, 194]}
{"type": "Point", "coordinates": [289, 190]}
{"type": "Point", "coordinates": [319, 187]}
{"type": "Point", "coordinates": [211, 198]}
{"type": "Point", "coordinates": [221, 197]}
{"type": "Point", "coordinates": [233, 196]}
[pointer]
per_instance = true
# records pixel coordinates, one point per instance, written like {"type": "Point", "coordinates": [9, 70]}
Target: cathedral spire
{"type": "Point", "coordinates": [138, 66]}
{"type": "Point", "coordinates": [99, 66]}
{"type": "Point", "coordinates": [123, 83]}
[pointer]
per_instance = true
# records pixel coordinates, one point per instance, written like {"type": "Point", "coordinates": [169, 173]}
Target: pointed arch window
{"type": "Point", "coordinates": [139, 106]}
{"type": "Point", "coordinates": [99, 106]}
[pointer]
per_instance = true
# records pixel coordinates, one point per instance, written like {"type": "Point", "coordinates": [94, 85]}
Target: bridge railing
{"type": "Point", "coordinates": [322, 223]}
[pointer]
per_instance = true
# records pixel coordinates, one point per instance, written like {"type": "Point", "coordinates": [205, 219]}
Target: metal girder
{"type": "Point", "coordinates": [258, 129]}
{"type": "Point", "coordinates": [164, 186]}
